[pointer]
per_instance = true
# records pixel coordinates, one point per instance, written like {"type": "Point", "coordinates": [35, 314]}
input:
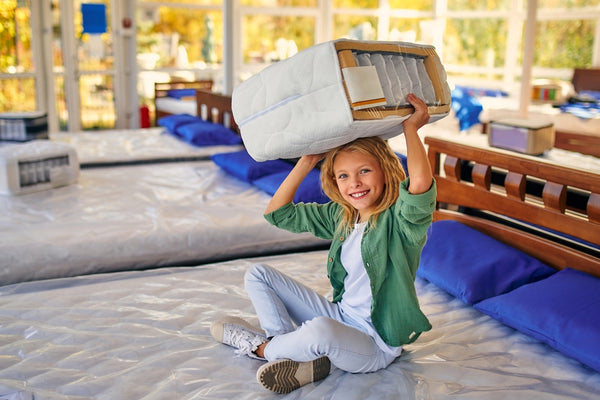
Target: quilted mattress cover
{"type": "Point", "coordinates": [335, 92]}
{"type": "Point", "coordinates": [145, 335]}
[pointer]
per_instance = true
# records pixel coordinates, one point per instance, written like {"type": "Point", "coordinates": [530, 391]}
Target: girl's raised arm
{"type": "Point", "coordinates": [419, 169]}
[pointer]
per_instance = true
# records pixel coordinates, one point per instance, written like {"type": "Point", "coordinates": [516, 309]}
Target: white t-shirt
{"type": "Point", "coordinates": [357, 298]}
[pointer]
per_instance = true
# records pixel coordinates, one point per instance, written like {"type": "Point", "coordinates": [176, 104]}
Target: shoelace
{"type": "Point", "coordinates": [245, 342]}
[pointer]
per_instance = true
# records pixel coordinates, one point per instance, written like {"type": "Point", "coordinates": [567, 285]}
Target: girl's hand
{"type": "Point", "coordinates": [311, 160]}
{"type": "Point", "coordinates": [421, 115]}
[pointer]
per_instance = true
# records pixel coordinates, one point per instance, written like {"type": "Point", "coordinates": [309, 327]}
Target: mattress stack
{"type": "Point", "coordinates": [335, 92]}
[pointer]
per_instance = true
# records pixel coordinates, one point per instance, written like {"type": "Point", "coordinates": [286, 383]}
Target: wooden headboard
{"type": "Point", "coordinates": [216, 108]}
{"type": "Point", "coordinates": [531, 223]}
{"type": "Point", "coordinates": [161, 89]}
{"type": "Point", "coordinates": [586, 79]}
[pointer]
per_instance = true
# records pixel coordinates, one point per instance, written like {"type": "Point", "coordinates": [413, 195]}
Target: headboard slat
{"type": "Point", "coordinates": [593, 208]}
{"type": "Point", "coordinates": [555, 196]}
{"type": "Point", "coordinates": [482, 176]}
{"type": "Point", "coordinates": [452, 168]}
{"type": "Point", "coordinates": [515, 185]}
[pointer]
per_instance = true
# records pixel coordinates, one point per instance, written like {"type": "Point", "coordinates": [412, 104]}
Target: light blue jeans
{"type": "Point", "coordinates": [305, 325]}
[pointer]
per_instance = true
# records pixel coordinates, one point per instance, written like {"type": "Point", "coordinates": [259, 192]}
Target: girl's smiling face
{"type": "Point", "coordinates": [360, 181]}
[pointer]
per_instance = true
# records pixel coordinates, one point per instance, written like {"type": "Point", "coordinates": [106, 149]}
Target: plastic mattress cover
{"type": "Point", "coordinates": [134, 217]}
{"type": "Point", "coordinates": [120, 146]}
{"type": "Point", "coordinates": [145, 335]}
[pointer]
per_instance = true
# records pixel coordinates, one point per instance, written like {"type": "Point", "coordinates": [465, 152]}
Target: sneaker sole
{"type": "Point", "coordinates": [284, 376]}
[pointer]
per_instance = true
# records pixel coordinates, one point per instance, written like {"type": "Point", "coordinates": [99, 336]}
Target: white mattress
{"type": "Point", "coordinates": [128, 146]}
{"type": "Point", "coordinates": [145, 335]}
{"type": "Point", "coordinates": [133, 217]}
{"type": "Point", "coordinates": [176, 106]}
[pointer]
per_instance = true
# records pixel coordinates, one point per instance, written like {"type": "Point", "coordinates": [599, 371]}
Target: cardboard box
{"type": "Point", "coordinates": [522, 135]}
{"type": "Point", "coordinates": [23, 126]}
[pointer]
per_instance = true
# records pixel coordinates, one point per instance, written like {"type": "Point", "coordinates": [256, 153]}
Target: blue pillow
{"type": "Point", "coordinates": [172, 122]}
{"type": "Point", "coordinates": [403, 161]}
{"type": "Point", "coordinates": [206, 133]}
{"type": "Point", "coordinates": [562, 311]}
{"type": "Point", "coordinates": [309, 190]}
{"type": "Point", "coordinates": [473, 266]}
{"type": "Point", "coordinates": [244, 167]}
{"type": "Point", "coordinates": [181, 93]}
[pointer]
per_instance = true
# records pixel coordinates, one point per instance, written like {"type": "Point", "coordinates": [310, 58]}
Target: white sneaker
{"type": "Point", "coordinates": [284, 376]}
{"type": "Point", "coordinates": [238, 333]}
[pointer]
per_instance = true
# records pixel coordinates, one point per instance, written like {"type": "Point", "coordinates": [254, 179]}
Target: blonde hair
{"type": "Point", "coordinates": [391, 167]}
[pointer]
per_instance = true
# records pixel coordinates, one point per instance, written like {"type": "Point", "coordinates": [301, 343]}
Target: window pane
{"type": "Point", "coordinates": [57, 56]}
{"type": "Point", "coordinates": [178, 37]}
{"type": "Point", "coordinates": [574, 49]}
{"type": "Point", "coordinates": [15, 37]}
{"type": "Point", "coordinates": [567, 4]}
{"type": "Point", "coordinates": [355, 3]}
{"type": "Point", "coordinates": [97, 102]}
{"type": "Point", "coordinates": [407, 30]}
{"type": "Point", "coordinates": [425, 5]}
{"type": "Point", "coordinates": [94, 50]}
{"type": "Point", "coordinates": [272, 38]}
{"type": "Point", "coordinates": [475, 42]}
{"type": "Point", "coordinates": [463, 5]}
{"type": "Point", "coordinates": [354, 27]}
{"type": "Point", "coordinates": [195, 2]}
{"type": "Point", "coordinates": [61, 104]}
{"type": "Point", "coordinates": [279, 3]}
{"type": "Point", "coordinates": [17, 95]}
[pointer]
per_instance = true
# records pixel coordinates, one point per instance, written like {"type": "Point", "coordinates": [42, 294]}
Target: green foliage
{"type": "Point", "coordinates": [262, 31]}
{"type": "Point", "coordinates": [574, 49]}
{"type": "Point", "coordinates": [475, 41]}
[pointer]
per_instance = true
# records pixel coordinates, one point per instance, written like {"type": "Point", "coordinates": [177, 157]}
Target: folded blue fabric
{"type": "Point", "coordinates": [172, 122]}
{"type": "Point", "coordinates": [206, 133]}
{"type": "Point", "coordinates": [473, 266]}
{"type": "Point", "coordinates": [562, 311]}
{"type": "Point", "coordinates": [466, 107]}
{"type": "Point", "coordinates": [241, 165]}
{"type": "Point", "coordinates": [309, 190]}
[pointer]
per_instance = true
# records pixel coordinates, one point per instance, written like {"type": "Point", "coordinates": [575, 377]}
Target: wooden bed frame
{"type": "Point", "coordinates": [216, 107]}
{"type": "Point", "coordinates": [162, 88]}
{"type": "Point", "coordinates": [511, 214]}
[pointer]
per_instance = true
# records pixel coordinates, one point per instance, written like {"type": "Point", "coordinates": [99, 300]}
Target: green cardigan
{"type": "Point", "coordinates": [391, 252]}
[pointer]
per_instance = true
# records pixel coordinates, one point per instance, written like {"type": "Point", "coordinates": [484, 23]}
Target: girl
{"type": "Point", "coordinates": [377, 221]}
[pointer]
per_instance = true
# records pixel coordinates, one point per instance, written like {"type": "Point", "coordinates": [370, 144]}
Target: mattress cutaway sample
{"type": "Point", "coordinates": [335, 92]}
